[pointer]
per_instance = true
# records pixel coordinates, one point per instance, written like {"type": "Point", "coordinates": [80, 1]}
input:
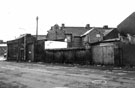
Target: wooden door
{"type": "Point", "coordinates": [30, 52]}
{"type": "Point", "coordinates": [97, 55]}
{"type": "Point", "coordinates": [103, 54]}
{"type": "Point", "coordinates": [108, 54]}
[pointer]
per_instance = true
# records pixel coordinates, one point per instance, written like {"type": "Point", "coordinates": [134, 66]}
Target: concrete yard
{"type": "Point", "coordinates": [37, 75]}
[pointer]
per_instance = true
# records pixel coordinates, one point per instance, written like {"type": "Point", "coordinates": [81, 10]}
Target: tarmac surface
{"type": "Point", "coordinates": [39, 75]}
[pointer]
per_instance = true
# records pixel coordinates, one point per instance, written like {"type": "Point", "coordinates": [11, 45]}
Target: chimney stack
{"type": "Point", "coordinates": [87, 25]}
{"type": "Point", "coordinates": [63, 25]}
{"type": "Point", "coordinates": [51, 27]}
{"type": "Point", "coordinates": [105, 26]}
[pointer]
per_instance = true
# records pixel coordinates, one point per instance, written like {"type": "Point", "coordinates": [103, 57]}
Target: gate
{"type": "Point", "coordinates": [105, 54]}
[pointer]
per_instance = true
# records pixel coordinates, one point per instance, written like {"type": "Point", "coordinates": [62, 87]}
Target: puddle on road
{"type": "Point", "coordinates": [121, 73]}
{"type": "Point", "coordinates": [99, 82]}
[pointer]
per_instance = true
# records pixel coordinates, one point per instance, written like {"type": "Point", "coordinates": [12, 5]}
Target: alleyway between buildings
{"type": "Point", "coordinates": [33, 75]}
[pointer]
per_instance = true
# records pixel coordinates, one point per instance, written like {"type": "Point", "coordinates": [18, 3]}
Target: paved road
{"type": "Point", "coordinates": [30, 75]}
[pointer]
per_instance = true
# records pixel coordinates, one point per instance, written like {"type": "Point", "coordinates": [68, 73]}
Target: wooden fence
{"type": "Point", "coordinates": [128, 54]}
{"type": "Point", "coordinates": [68, 56]}
{"type": "Point", "coordinates": [113, 53]}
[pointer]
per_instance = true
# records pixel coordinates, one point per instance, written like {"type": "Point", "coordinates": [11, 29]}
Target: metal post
{"type": "Point", "coordinates": [37, 28]}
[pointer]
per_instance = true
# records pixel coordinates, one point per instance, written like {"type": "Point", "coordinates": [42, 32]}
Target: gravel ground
{"type": "Point", "coordinates": [35, 75]}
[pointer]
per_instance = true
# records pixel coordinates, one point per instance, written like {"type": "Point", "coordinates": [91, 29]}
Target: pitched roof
{"type": "Point", "coordinates": [40, 37]}
{"type": "Point", "coordinates": [128, 25]}
{"type": "Point", "coordinates": [103, 31]}
{"type": "Point", "coordinates": [75, 31]}
{"type": "Point", "coordinates": [87, 32]}
{"type": "Point", "coordinates": [107, 32]}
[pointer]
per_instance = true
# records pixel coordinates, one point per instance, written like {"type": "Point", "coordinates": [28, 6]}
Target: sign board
{"type": "Point", "coordinates": [55, 44]}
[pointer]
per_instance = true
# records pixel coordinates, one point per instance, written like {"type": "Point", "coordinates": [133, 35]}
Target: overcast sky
{"type": "Point", "coordinates": [19, 16]}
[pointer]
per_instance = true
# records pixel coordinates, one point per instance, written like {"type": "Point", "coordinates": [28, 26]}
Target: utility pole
{"type": "Point", "coordinates": [37, 27]}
